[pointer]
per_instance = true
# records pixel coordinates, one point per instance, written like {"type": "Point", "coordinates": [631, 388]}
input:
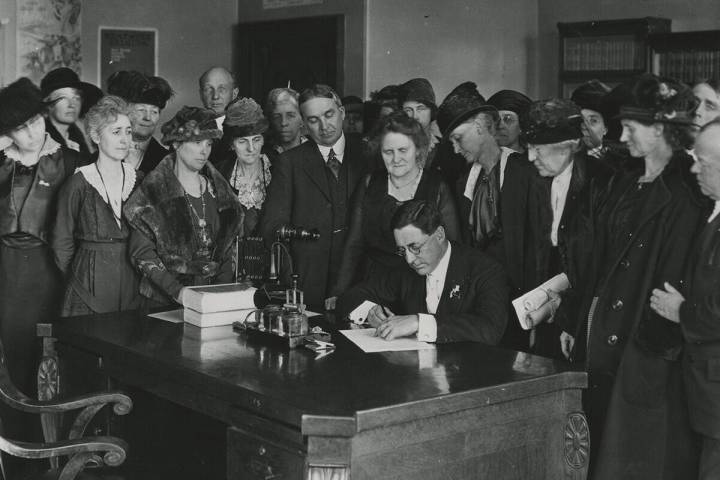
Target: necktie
{"type": "Point", "coordinates": [333, 163]}
{"type": "Point", "coordinates": [484, 209]}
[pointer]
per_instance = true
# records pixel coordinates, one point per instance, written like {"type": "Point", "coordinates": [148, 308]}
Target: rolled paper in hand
{"type": "Point", "coordinates": [540, 315]}
{"type": "Point", "coordinates": [535, 299]}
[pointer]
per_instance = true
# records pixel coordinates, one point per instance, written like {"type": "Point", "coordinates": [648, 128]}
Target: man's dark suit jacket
{"type": "Point", "coordinates": [299, 195]}
{"type": "Point", "coordinates": [700, 322]}
{"type": "Point", "coordinates": [474, 302]}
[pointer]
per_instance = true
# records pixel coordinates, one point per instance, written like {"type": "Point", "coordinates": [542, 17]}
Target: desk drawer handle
{"type": "Point", "coordinates": [262, 451]}
{"type": "Point", "coordinates": [255, 402]}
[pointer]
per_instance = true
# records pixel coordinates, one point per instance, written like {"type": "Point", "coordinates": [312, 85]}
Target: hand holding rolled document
{"type": "Point", "coordinates": [540, 304]}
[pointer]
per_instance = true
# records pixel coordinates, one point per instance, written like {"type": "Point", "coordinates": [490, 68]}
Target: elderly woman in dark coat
{"type": "Point", "coordinates": [33, 167]}
{"type": "Point", "coordinates": [644, 231]}
{"type": "Point", "coordinates": [370, 248]}
{"type": "Point", "coordinates": [562, 200]}
{"type": "Point", "coordinates": [185, 217]}
{"type": "Point", "coordinates": [90, 235]}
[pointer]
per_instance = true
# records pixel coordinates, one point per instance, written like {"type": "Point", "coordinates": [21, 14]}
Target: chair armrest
{"type": "Point", "coordinates": [115, 449]}
{"type": "Point", "coordinates": [122, 404]}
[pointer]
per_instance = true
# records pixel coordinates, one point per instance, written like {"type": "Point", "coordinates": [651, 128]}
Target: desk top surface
{"type": "Point", "coordinates": [294, 386]}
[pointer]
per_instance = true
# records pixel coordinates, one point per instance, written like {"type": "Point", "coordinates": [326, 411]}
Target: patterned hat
{"type": "Point", "coordinates": [243, 118]}
{"type": "Point", "coordinates": [191, 124]}
{"type": "Point", "coordinates": [552, 120]}
{"type": "Point", "coordinates": [135, 87]}
{"type": "Point", "coordinates": [19, 102]}
{"type": "Point", "coordinates": [418, 90]}
{"type": "Point", "coordinates": [460, 104]}
{"type": "Point", "coordinates": [659, 100]}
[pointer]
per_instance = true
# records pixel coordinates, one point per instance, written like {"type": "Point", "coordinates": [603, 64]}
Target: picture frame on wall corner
{"type": "Point", "coordinates": [124, 48]}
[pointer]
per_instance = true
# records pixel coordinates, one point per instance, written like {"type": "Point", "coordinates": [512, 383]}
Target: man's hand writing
{"type": "Point", "coordinates": [398, 326]}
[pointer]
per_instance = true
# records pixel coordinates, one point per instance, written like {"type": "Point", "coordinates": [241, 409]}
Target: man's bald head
{"type": "Point", "coordinates": [217, 89]}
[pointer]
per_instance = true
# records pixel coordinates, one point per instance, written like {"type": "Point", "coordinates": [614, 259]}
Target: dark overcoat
{"type": "Point", "coordinates": [700, 322]}
{"type": "Point", "coordinates": [635, 401]}
{"type": "Point", "coordinates": [299, 195]}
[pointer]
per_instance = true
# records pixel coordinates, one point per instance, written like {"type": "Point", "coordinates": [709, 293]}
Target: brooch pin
{"type": "Point", "coordinates": [43, 183]}
{"type": "Point", "coordinates": [455, 292]}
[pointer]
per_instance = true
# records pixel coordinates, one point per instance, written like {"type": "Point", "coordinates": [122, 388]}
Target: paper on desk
{"type": "Point", "coordinates": [367, 341]}
{"type": "Point", "coordinates": [537, 300]}
{"type": "Point", "coordinates": [174, 316]}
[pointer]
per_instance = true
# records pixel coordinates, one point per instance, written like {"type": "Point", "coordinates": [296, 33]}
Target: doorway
{"type": "Point", "coordinates": [299, 52]}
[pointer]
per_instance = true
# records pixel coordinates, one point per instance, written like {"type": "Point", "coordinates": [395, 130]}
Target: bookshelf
{"type": "Point", "coordinates": [611, 51]}
{"type": "Point", "coordinates": [686, 56]}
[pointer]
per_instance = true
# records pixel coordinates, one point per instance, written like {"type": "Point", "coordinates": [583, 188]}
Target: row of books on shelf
{"type": "Point", "coordinates": [688, 66]}
{"type": "Point", "coordinates": [581, 54]}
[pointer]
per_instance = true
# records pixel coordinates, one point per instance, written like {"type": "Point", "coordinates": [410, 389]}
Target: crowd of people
{"type": "Point", "coordinates": [439, 214]}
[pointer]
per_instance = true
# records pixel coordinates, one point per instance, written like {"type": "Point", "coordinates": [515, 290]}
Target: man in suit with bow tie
{"type": "Point", "coordinates": [311, 188]}
{"type": "Point", "coordinates": [451, 292]}
{"type": "Point", "coordinates": [699, 313]}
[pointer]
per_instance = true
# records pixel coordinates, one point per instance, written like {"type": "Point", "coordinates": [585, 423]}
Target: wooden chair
{"type": "Point", "coordinates": [80, 451]}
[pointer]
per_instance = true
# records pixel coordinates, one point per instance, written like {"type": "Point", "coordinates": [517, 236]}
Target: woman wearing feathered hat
{"type": "Point", "coordinates": [184, 215]}
{"type": "Point", "coordinates": [644, 232]}
{"type": "Point", "coordinates": [32, 169]}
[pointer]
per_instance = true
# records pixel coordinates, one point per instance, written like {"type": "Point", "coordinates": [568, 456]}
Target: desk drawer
{"type": "Point", "coordinates": [252, 457]}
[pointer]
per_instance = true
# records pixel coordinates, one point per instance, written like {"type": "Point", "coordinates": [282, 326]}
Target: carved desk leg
{"type": "Point", "coordinates": [577, 446]}
{"type": "Point", "coordinates": [328, 472]}
{"type": "Point", "coordinates": [48, 379]}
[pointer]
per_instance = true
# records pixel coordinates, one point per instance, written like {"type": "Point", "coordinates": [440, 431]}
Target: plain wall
{"type": "Point", "coordinates": [489, 42]}
{"type": "Point", "coordinates": [685, 15]}
{"type": "Point", "coordinates": [192, 36]}
{"type": "Point", "coordinates": [354, 10]}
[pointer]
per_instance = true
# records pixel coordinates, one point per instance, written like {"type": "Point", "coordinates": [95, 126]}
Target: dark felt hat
{"type": "Point", "coordinates": [191, 124]}
{"type": "Point", "coordinates": [620, 95]}
{"type": "Point", "coordinates": [510, 100]}
{"type": "Point", "coordinates": [552, 120]}
{"type": "Point", "coordinates": [353, 103]}
{"type": "Point", "coordinates": [590, 95]}
{"type": "Point", "coordinates": [136, 87]}
{"type": "Point", "coordinates": [460, 104]}
{"type": "Point", "coordinates": [66, 78]}
{"type": "Point", "coordinates": [659, 100]}
{"type": "Point", "coordinates": [418, 90]}
{"type": "Point", "coordinates": [243, 118]}
{"type": "Point", "coordinates": [19, 102]}
{"type": "Point", "coordinates": [389, 95]}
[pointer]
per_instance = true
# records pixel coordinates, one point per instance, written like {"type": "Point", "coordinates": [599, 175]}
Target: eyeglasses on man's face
{"type": "Point", "coordinates": [413, 248]}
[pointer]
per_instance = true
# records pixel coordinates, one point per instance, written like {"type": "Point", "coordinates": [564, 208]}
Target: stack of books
{"type": "Point", "coordinates": [215, 305]}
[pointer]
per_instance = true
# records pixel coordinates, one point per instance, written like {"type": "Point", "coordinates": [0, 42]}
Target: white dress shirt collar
{"type": "Point", "coordinates": [715, 212]}
{"type": "Point", "coordinates": [476, 168]}
{"type": "Point", "coordinates": [435, 282]}
{"type": "Point", "coordinates": [220, 121]}
{"type": "Point", "coordinates": [338, 148]}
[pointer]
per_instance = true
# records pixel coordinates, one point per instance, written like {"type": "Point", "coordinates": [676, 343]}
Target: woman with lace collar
{"type": "Point", "coordinates": [33, 166]}
{"type": "Point", "coordinates": [90, 234]}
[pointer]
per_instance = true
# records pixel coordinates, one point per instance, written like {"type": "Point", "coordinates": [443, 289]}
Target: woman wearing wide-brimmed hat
{"type": "Point", "coordinates": [185, 217]}
{"type": "Point", "coordinates": [32, 169]}
{"type": "Point", "coordinates": [644, 231]}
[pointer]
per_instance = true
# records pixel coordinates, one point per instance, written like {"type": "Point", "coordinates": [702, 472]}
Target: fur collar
{"type": "Point", "coordinates": [161, 186]}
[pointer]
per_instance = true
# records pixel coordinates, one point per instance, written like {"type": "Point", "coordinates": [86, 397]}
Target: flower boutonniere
{"type": "Point", "coordinates": [455, 292]}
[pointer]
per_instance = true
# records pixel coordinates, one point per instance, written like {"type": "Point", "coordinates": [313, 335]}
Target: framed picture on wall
{"type": "Point", "coordinates": [126, 49]}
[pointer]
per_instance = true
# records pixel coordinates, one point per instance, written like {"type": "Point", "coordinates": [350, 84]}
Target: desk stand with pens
{"type": "Point", "coordinates": [287, 323]}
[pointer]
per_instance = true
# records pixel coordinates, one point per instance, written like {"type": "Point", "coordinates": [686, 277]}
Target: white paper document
{"type": "Point", "coordinates": [367, 341]}
{"type": "Point", "coordinates": [174, 316]}
{"type": "Point", "coordinates": [536, 305]}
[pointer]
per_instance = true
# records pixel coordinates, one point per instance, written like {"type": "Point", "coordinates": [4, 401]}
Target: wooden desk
{"type": "Point", "coordinates": [460, 411]}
